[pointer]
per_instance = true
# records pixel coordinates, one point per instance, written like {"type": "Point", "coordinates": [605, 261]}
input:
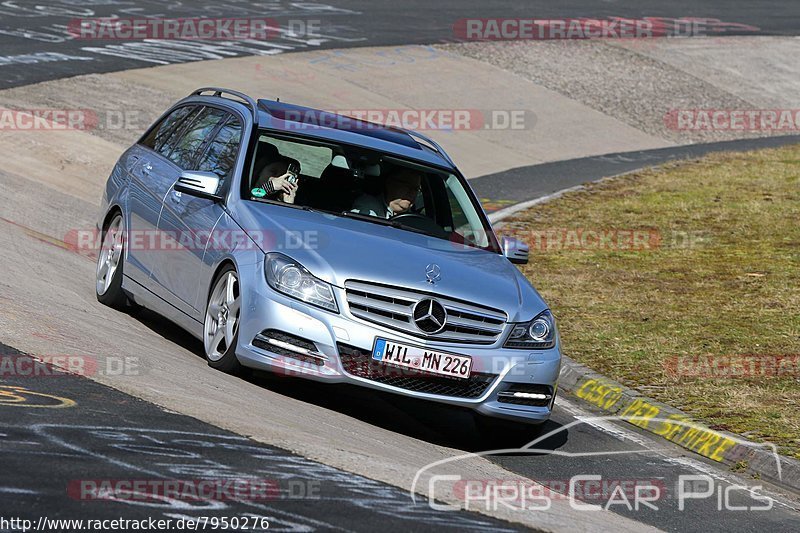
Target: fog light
{"type": "Point", "coordinates": [530, 395]}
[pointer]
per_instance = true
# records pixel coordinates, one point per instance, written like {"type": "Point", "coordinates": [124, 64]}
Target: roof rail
{"type": "Point", "coordinates": [218, 91]}
{"type": "Point", "coordinates": [430, 142]}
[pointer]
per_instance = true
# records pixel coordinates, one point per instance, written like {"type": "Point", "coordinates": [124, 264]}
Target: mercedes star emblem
{"type": "Point", "coordinates": [430, 316]}
{"type": "Point", "coordinates": [433, 272]}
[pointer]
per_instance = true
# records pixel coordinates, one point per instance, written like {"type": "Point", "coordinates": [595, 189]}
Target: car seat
{"type": "Point", "coordinates": [334, 192]}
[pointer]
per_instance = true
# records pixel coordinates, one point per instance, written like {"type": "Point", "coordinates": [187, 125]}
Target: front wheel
{"type": "Point", "coordinates": [221, 327]}
{"type": "Point", "coordinates": [110, 261]}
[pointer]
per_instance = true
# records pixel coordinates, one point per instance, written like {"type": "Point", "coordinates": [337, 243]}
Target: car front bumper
{"type": "Point", "coordinates": [263, 310]}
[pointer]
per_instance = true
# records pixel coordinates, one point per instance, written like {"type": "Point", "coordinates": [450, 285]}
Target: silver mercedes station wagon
{"type": "Point", "coordinates": [320, 246]}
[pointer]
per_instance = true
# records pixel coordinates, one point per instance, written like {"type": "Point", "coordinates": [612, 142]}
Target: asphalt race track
{"type": "Point", "coordinates": [110, 436]}
{"type": "Point", "coordinates": [520, 185]}
{"type": "Point", "coordinates": [49, 451]}
{"type": "Point", "coordinates": [58, 430]}
{"type": "Point", "coordinates": [37, 46]}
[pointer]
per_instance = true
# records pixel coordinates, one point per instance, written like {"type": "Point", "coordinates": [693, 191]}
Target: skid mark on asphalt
{"type": "Point", "coordinates": [49, 239]}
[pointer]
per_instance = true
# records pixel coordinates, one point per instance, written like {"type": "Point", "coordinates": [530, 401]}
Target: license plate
{"type": "Point", "coordinates": [404, 355]}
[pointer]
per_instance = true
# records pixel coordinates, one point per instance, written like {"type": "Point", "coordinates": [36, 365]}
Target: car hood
{"type": "Point", "coordinates": [336, 249]}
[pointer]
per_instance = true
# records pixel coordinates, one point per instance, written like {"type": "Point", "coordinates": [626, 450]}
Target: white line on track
{"type": "Point", "coordinates": [15, 490]}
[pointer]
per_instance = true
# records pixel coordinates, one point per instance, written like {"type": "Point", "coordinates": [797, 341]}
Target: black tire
{"type": "Point", "coordinates": [112, 295]}
{"type": "Point", "coordinates": [227, 362]}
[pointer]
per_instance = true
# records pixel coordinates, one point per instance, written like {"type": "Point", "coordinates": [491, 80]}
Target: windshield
{"type": "Point", "coordinates": [367, 185]}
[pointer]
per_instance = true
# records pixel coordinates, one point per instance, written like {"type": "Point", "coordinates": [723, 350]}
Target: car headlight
{"type": "Point", "coordinates": [289, 277]}
{"type": "Point", "coordinates": [538, 334]}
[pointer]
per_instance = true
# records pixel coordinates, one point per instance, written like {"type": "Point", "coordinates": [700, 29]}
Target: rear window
{"type": "Point", "coordinates": [159, 133]}
{"type": "Point", "coordinates": [193, 138]}
{"type": "Point", "coordinates": [220, 156]}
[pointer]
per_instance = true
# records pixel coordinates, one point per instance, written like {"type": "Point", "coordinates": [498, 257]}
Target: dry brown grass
{"type": "Point", "coordinates": [724, 280]}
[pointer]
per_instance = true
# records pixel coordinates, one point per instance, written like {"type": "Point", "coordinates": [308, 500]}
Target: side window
{"type": "Point", "coordinates": [460, 220]}
{"type": "Point", "coordinates": [194, 136]}
{"type": "Point", "coordinates": [156, 136]}
{"type": "Point", "coordinates": [171, 139]}
{"type": "Point", "coordinates": [423, 199]}
{"type": "Point", "coordinates": [220, 156]}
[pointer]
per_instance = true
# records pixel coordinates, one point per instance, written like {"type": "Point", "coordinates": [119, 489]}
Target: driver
{"type": "Point", "coordinates": [399, 192]}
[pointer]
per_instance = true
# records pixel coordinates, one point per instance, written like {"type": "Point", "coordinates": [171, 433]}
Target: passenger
{"type": "Point", "coordinates": [275, 180]}
{"type": "Point", "coordinates": [399, 193]}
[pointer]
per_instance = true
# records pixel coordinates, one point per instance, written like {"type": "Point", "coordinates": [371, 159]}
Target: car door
{"type": "Point", "coordinates": [149, 182]}
{"type": "Point", "coordinates": [210, 145]}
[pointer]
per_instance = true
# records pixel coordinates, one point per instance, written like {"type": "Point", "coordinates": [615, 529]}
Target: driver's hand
{"type": "Point", "coordinates": [400, 206]}
{"type": "Point", "coordinates": [282, 183]}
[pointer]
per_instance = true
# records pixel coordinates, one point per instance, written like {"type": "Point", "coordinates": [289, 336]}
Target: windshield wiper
{"type": "Point", "coordinates": [371, 218]}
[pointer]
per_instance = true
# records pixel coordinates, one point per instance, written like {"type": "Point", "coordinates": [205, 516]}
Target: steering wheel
{"type": "Point", "coordinates": [420, 222]}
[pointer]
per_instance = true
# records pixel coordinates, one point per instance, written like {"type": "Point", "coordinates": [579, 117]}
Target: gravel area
{"type": "Point", "coordinates": [631, 86]}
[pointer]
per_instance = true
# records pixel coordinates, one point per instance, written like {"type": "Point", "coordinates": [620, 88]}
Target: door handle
{"type": "Point", "coordinates": [176, 196]}
{"type": "Point", "coordinates": [146, 168]}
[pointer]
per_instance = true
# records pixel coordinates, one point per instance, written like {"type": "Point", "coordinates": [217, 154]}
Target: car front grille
{"type": "Point", "coordinates": [358, 362]}
{"type": "Point", "coordinates": [394, 308]}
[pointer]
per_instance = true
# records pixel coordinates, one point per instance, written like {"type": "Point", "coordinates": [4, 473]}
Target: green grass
{"type": "Point", "coordinates": [724, 280]}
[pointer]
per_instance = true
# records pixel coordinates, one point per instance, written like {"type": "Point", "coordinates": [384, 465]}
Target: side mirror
{"type": "Point", "coordinates": [199, 183]}
{"type": "Point", "coordinates": [515, 250]}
